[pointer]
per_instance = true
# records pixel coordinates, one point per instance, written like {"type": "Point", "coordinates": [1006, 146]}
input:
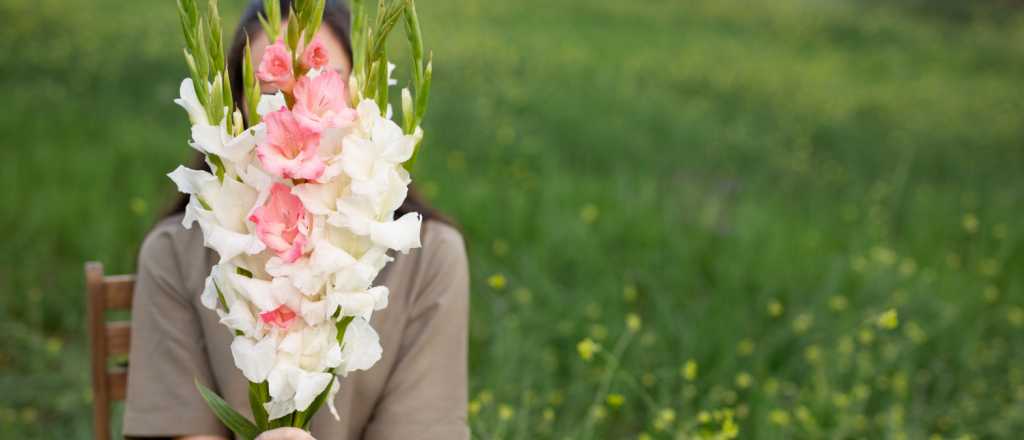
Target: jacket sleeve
{"type": "Point", "coordinates": [426, 393]}
{"type": "Point", "coordinates": [167, 350]}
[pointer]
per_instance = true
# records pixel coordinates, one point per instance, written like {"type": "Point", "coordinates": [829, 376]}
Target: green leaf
{"type": "Point", "coordinates": [292, 37]}
{"type": "Point", "coordinates": [271, 19]}
{"type": "Point", "coordinates": [423, 90]}
{"type": "Point", "coordinates": [258, 395]}
{"type": "Point", "coordinates": [268, 28]}
{"type": "Point", "coordinates": [216, 41]}
{"type": "Point", "coordinates": [229, 100]}
{"type": "Point", "coordinates": [187, 24]}
{"type": "Point", "coordinates": [234, 421]}
{"type": "Point", "coordinates": [282, 422]}
{"type": "Point", "coordinates": [200, 52]}
{"type": "Point", "coordinates": [303, 418]}
{"type": "Point", "coordinates": [218, 164]}
{"type": "Point", "coordinates": [382, 82]}
{"type": "Point", "coordinates": [358, 44]}
{"type": "Point", "coordinates": [316, 18]}
{"type": "Point", "coordinates": [198, 81]}
{"type": "Point", "coordinates": [415, 37]}
{"type": "Point", "coordinates": [216, 109]}
{"type": "Point", "coordinates": [387, 18]}
{"type": "Point", "coordinates": [251, 86]}
{"type": "Point", "coordinates": [342, 326]}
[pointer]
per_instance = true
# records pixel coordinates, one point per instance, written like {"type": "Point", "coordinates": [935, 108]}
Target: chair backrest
{"type": "Point", "coordinates": [106, 340]}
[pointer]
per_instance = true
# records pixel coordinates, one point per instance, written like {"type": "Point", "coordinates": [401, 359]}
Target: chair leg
{"type": "Point", "coordinates": [96, 307]}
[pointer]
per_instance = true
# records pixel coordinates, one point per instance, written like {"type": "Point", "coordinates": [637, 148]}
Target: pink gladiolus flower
{"type": "Point", "coordinates": [283, 224]}
{"type": "Point", "coordinates": [315, 55]}
{"type": "Point", "coordinates": [322, 103]}
{"type": "Point", "coordinates": [280, 317]}
{"type": "Point", "coordinates": [276, 67]}
{"type": "Point", "coordinates": [291, 150]}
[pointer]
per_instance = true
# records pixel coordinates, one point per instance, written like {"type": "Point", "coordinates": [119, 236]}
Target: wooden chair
{"type": "Point", "coordinates": [107, 339]}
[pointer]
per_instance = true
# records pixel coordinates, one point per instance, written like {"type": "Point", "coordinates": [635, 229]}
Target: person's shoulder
{"type": "Point", "coordinates": [441, 259]}
{"type": "Point", "coordinates": [169, 239]}
{"type": "Point", "coordinates": [442, 242]}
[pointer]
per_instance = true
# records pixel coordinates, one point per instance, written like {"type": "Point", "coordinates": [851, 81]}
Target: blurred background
{"type": "Point", "coordinates": [786, 218]}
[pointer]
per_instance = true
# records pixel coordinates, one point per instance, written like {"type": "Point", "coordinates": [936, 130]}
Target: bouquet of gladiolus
{"type": "Point", "coordinates": [300, 200]}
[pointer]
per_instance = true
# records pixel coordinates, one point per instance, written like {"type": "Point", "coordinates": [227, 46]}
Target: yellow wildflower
{"type": "Point", "coordinates": [812, 353]}
{"type": "Point", "coordinates": [729, 429]}
{"type": "Point", "coordinates": [633, 322]}
{"type": "Point", "coordinates": [744, 380]}
{"type": "Point", "coordinates": [615, 400]}
{"type": "Point", "coordinates": [667, 415]}
{"type": "Point", "coordinates": [497, 281]}
{"type": "Point", "coordinates": [803, 322]}
{"type": "Point", "coordinates": [889, 320]}
{"type": "Point", "coordinates": [970, 223]}
{"type": "Point", "coordinates": [779, 417]}
{"type": "Point", "coordinates": [689, 370]}
{"type": "Point", "coordinates": [586, 348]}
{"type": "Point", "coordinates": [838, 303]}
{"type": "Point", "coordinates": [505, 412]}
{"type": "Point", "coordinates": [598, 412]}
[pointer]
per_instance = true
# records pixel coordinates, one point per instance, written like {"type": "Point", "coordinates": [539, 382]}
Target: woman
{"type": "Point", "coordinates": [416, 391]}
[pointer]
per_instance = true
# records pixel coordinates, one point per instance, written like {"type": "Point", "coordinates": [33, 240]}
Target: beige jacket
{"type": "Point", "coordinates": [418, 390]}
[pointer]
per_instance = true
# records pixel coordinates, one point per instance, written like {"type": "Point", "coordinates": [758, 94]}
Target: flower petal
{"type": "Point", "coordinates": [271, 103]}
{"type": "Point", "coordinates": [255, 359]}
{"type": "Point", "coordinates": [309, 386]}
{"type": "Point", "coordinates": [402, 234]}
{"type": "Point", "coordinates": [190, 102]}
{"type": "Point", "coordinates": [361, 347]}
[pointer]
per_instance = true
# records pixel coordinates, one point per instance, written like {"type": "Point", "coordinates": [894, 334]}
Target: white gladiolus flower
{"type": "Point", "coordinates": [335, 387]}
{"type": "Point", "coordinates": [361, 346]}
{"type": "Point", "coordinates": [255, 359]}
{"type": "Point", "coordinates": [361, 304]}
{"type": "Point", "coordinates": [402, 234]}
{"type": "Point", "coordinates": [339, 229]}
{"type": "Point", "coordinates": [220, 210]}
{"type": "Point", "coordinates": [270, 103]}
{"type": "Point", "coordinates": [215, 139]}
{"type": "Point", "coordinates": [190, 102]}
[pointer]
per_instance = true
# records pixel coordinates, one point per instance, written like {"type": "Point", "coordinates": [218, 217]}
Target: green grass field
{"type": "Point", "coordinates": [794, 218]}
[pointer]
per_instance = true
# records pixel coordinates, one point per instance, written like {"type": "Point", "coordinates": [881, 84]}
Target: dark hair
{"type": "Point", "coordinates": [337, 20]}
